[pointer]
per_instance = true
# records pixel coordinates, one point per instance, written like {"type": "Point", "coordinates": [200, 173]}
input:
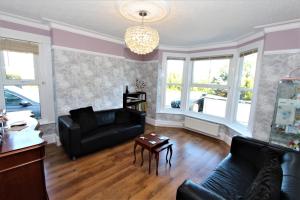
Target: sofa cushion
{"type": "Point", "coordinates": [191, 191]}
{"type": "Point", "coordinates": [122, 116]}
{"type": "Point", "coordinates": [267, 184]}
{"type": "Point", "coordinates": [86, 119]}
{"type": "Point", "coordinates": [109, 135]}
{"type": "Point", "coordinates": [231, 178]}
{"type": "Point", "coordinates": [105, 117]}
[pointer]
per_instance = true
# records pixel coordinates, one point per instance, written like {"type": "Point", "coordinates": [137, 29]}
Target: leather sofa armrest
{"type": "Point", "coordinates": [70, 135]}
{"type": "Point", "coordinates": [189, 190]}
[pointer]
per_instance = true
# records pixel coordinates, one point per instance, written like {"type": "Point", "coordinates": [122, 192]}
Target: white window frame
{"type": "Point", "coordinates": [6, 82]}
{"type": "Point", "coordinates": [44, 74]}
{"type": "Point", "coordinates": [162, 108]}
{"type": "Point", "coordinates": [255, 45]}
{"type": "Point", "coordinates": [228, 86]}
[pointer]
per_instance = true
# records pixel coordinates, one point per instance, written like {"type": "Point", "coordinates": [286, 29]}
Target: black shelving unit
{"type": "Point", "coordinates": [134, 100]}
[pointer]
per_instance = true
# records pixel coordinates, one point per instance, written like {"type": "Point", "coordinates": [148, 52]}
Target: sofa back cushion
{"type": "Point", "coordinates": [105, 117]}
{"type": "Point", "coordinates": [267, 184]}
{"type": "Point", "coordinates": [253, 150]}
{"type": "Point", "coordinates": [122, 117]}
{"type": "Point", "coordinates": [86, 119]}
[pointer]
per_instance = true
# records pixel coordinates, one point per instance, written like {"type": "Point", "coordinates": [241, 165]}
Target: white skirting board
{"type": "Point", "coordinates": [50, 138]}
{"type": "Point", "coordinates": [227, 139]}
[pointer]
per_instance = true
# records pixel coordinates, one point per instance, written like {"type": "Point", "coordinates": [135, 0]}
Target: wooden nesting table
{"type": "Point", "coordinates": [154, 143]}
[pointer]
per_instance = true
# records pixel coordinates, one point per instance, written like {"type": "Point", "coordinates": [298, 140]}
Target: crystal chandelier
{"type": "Point", "coordinates": [141, 39]}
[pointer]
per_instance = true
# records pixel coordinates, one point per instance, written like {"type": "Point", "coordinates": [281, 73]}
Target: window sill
{"type": "Point", "coordinates": [213, 119]}
{"type": "Point", "coordinates": [171, 111]}
{"type": "Point", "coordinates": [239, 128]}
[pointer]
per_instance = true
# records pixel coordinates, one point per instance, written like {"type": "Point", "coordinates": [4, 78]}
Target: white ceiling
{"type": "Point", "coordinates": [190, 22]}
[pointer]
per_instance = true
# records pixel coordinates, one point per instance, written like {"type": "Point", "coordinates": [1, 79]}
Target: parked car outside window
{"type": "Point", "coordinates": [17, 99]}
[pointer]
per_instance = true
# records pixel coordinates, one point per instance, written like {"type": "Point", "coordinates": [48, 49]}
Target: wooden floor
{"type": "Point", "coordinates": [110, 174]}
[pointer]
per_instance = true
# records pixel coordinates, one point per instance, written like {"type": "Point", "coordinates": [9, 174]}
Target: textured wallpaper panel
{"type": "Point", "coordinates": [83, 79]}
{"type": "Point", "coordinates": [273, 68]}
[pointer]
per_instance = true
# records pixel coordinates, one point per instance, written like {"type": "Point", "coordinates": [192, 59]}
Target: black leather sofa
{"type": "Point", "coordinates": [235, 174]}
{"type": "Point", "coordinates": [112, 127]}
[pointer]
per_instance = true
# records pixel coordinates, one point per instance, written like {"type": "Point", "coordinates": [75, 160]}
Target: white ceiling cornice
{"type": "Point", "coordinates": [280, 26]}
{"type": "Point", "coordinates": [249, 37]}
{"type": "Point", "coordinates": [82, 31]}
{"type": "Point", "coordinates": [240, 41]}
{"type": "Point", "coordinates": [23, 21]}
{"type": "Point", "coordinates": [197, 47]}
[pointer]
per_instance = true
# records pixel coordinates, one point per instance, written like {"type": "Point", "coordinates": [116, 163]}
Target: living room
{"type": "Point", "coordinates": [209, 88]}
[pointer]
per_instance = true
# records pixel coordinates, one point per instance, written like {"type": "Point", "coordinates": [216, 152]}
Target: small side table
{"type": "Point", "coordinates": [150, 142]}
{"type": "Point", "coordinates": [160, 149]}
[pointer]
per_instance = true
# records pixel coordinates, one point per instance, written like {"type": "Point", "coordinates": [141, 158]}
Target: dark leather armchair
{"type": "Point", "coordinates": [114, 127]}
{"type": "Point", "coordinates": [235, 174]}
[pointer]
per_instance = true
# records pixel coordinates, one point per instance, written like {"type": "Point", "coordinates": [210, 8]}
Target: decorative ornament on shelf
{"type": "Point", "coordinates": [141, 39]}
{"type": "Point", "coordinates": [139, 85]}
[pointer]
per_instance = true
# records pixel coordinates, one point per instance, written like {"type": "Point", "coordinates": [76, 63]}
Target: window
{"type": "Point", "coordinates": [217, 86]}
{"type": "Point", "coordinates": [19, 78]}
{"type": "Point", "coordinates": [209, 85]}
{"type": "Point", "coordinates": [248, 61]}
{"type": "Point", "coordinates": [174, 83]}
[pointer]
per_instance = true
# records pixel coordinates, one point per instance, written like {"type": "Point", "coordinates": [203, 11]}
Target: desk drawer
{"type": "Point", "coordinates": [21, 157]}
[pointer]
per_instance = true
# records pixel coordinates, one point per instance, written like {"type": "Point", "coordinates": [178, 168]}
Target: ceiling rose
{"type": "Point", "coordinates": [156, 10]}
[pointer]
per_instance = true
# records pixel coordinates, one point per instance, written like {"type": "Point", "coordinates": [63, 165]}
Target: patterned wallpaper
{"type": "Point", "coordinates": [84, 79]}
{"type": "Point", "coordinates": [273, 68]}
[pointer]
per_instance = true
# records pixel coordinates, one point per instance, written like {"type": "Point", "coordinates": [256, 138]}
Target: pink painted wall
{"type": "Point", "coordinates": [282, 40]}
{"type": "Point", "coordinates": [77, 41]}
{"type": "Point", "coordinates": [24, 28]}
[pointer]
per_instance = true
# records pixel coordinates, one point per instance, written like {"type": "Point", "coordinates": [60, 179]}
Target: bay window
{"type": "Point", "coordinates": [217, 86]}
{"type": "Point", "coordinates": [209, 85]}
{"type": "Point", "coordinates": [248, 60]}
{"type": "Point", "coordinates": [174, 83]}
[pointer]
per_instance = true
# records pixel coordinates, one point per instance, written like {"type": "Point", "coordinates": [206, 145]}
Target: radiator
{"type": "Point", "coordinates": [198, 125]}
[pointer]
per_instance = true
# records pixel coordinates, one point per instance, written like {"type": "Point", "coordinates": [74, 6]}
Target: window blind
{"type": "Point", "coordinates": [212, 57]}
{"type": "Point", "coordinates": [175, 58]}
{"type": "Point", "coordinates": [245, 53]}
{"type": "Point", "coordinates": [7, 44]}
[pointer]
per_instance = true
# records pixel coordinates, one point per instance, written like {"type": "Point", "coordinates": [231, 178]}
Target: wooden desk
{"type": "Point", "coordinates": [21, 164]}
